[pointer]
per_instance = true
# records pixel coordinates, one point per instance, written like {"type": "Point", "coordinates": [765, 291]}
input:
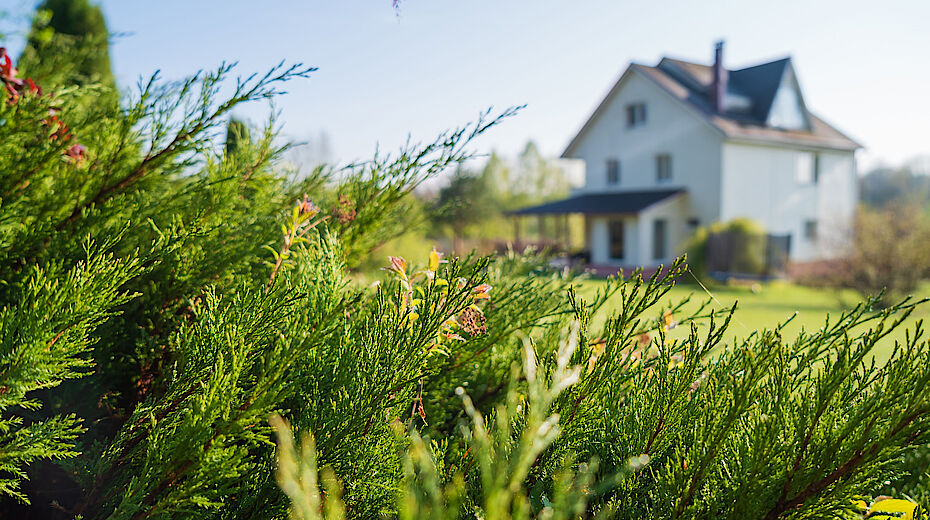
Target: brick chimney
{"type": "Point", "coordinates": [719, 87]}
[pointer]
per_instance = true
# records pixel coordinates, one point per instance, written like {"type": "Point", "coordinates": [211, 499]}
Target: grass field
{"type": "Point", "coordinates": [766, 305]}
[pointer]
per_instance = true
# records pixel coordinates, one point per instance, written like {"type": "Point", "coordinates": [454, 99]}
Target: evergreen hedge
{"type": "Point", "coordinates": [167, 303]}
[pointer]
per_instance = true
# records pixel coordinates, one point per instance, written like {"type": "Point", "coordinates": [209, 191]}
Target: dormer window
{"type": "Point", "coordinates": [613, 172]}
{"type": "Point", "coordinates": [787, 111]}
{"type": "Point", "coordinates": [635, 114]}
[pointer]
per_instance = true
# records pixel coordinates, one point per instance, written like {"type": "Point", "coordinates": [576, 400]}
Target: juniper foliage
{"type": "Point", "coordinates": [163, 296]}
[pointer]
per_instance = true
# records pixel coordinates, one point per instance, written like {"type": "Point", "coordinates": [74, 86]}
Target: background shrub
{"type": "Point", "coordinates": [745, 251]}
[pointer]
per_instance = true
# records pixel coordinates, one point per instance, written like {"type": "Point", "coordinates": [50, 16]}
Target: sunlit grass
{"type": "Point", "coordinates": [769, 304]}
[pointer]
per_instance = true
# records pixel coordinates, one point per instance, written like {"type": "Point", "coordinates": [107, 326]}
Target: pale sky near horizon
{"type": "Point", "coordinates": [863, 65]}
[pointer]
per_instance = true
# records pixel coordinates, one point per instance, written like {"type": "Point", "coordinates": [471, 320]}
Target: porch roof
{"type": "Point", "coordinates": [623, 202]}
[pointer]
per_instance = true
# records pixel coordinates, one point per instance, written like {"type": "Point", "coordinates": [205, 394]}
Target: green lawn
{"type": "Point", "coordinates": [766, 305]}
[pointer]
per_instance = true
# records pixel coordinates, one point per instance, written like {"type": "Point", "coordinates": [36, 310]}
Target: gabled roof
{"type": "Point", "coordinates": [750, 95]}
{"type": "Point", "coordinates": [757, 85]}
{"type": "Point", "coordinates": [626, 203]}
{"type": "Point", "coordinates": [760, 83]}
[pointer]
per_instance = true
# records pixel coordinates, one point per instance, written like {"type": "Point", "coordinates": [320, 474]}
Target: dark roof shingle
{"type": "Point", "coordinates": [626, 202]}
{"type": "Point", "coordinates": [756, 86]}
{"type": "Point", "coordinates": [760, 84]}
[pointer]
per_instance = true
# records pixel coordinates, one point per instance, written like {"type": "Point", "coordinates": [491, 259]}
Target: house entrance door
{"type": "Point", "coordinates": [615, 231]}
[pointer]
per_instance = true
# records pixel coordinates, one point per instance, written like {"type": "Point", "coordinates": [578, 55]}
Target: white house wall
{"type": "Point", "coordinates": [837, 198]}
{"type": "Point", "coordinates": [761, 183]}
{"type": "Point", "coordinates": [676, 228]}
{"type": "Point", "coordinates": [670, 128]}
{"type": "Point", "coordinates": [599, 241]}
{"type": "Point", "coordinates": [638, 234]}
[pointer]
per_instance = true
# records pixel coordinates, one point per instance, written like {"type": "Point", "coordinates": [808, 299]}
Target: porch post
{"type": "Point", "coordinates": [516, 233]}
{"type": "Point", "coordinates": [566, 233]}
{"type": "Point", "coordinates": [541, 227]}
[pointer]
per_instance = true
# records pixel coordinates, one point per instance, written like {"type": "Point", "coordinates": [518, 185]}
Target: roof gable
{"type": "Point", "coordinates": [787, 109]}
{"type": "Point", "coordinates": [675, 92]}
{"type": "Point", "coordinates": [763, 103]}
{"type": "Point", "coordinates": [761, 83]}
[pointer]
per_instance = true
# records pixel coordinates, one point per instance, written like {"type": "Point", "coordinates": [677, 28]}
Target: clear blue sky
{"type": "Point", "coordinates": [863, 65]}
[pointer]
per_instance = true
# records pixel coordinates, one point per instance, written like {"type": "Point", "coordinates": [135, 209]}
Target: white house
{"type": "Point", "coordinates": [681, 145]}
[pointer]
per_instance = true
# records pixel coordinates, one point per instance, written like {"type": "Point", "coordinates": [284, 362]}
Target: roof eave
{"type": "Point", "coordinates": [672, 195]}
{"type": "Point", "coordinates": [792, 143]}
{"type": "Point", "coordinates": [595, 114]}
{"type": "Point", "coordinates": [633, 68]}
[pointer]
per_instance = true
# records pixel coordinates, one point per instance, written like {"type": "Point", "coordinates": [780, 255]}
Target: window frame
{"type": "Point", "coordinates": [810, 230]}
{"type": "Point", "coordinates": [816, 169]}
{"type": "Point", "coordinates": [635, 114]}
{"type": "Point", "coordinates": [663, 174]}
{"type": "Point", "coordinates": [810, 175]}
{"type": "Point", "coordinates": [613, 167]}
{"type": "Point", "coordinates": [614, 225]}
{"type": "Point", "coordinates": [659, 238]}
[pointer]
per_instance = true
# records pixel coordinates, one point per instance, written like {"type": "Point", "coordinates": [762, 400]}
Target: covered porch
{"type": "Point", "coordinates": [621, 229]}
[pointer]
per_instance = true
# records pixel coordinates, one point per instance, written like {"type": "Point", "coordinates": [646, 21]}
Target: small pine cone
{"type": "Point", "coordinates": [473, 322]}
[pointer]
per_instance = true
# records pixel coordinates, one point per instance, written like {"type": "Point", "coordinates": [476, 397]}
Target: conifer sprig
{"type": "Point", "coordinates": [45, 334]}
{"type": "Point", "coordinates": [153, 361]}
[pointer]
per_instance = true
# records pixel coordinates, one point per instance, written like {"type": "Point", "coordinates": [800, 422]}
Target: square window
{"type": "Point", "coordinates": [613, 171]}
{"type": "Point", "coordinates": [635, 114]}
{"type": "Point", "coordinates": [810, 230]}
{"type": "Point", "coordinates": [663, 167]}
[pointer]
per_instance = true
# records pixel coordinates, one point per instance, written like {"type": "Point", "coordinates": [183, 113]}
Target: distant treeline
{"type": "Point", "coordinates": [908, 184]}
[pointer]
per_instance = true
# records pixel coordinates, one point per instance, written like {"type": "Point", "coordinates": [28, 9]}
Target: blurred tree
{"type": "Point", "coordinates": [467, 200]}
{"type": "Point", "coordinates": [474, 203]}
{"type": "Point", "coordinates": [909, 184]}
{"type": "Point", "coordinates": [888, 252]}
{"type": "Point", "coordinates": [237, 134]}
{"type": "Point", "coordinates": [537, 177]}
{"type": "Point", "coordinates": [499, 177]}
{"type": "Point", "coordinates": [69, 45]}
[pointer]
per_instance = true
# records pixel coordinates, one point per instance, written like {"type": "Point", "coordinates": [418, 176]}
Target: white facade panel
{"type": "Point", "coordinates": [599, 241]}
{"type": "Point", "coordinates": [807, 193]}
{"type": "Point", "coordinates": [674, 212]}
{"type": "Point", "coordinates": [779, 188]}
{"type": "Point", "coordinates": [670, 128]}
{"type": "Point", "coordinates": [838, 197]}
{"type": "Point", "coordinates": [638, 235]}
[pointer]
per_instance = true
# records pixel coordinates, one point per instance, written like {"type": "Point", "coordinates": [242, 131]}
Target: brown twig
{"type": "Point", "coordinates": [843, 471]}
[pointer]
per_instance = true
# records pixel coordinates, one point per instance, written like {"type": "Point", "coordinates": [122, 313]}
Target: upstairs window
{"type": "Point", "coordinates": [663, 168]}
{"type": "Point", "coordinates": [613, 171]}
{"type": "Point", "coordinates": [807, 168]}
{"type": "Point", "coordinates": [635, 114]}
{"type": "Point", "coordinates": [816, 168]}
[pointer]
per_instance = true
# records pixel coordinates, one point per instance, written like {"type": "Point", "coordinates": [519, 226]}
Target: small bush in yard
{"type": "Point", "coordinates": [887, 255]}
{"type": "Point", "coordinates": [737, 246]}
{"type": "Point", "coordinates": [166, 306]}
